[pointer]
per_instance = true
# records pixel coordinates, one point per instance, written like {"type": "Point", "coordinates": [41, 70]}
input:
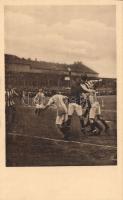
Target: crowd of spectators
{"type": "Point", "coordinates": [106, 87]}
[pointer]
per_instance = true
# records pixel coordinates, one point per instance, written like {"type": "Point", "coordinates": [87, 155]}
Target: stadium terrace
{"type": "Point", "coordinates": [27, 73]}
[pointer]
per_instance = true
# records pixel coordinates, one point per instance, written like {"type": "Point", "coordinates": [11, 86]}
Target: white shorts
{"type": "Point", "coordinates": [95, 110]}
{"type": "Point", "coordinates": [39, 106]}
{"type": "Point", "coordinates": [73, 107]}
{"type": "Point", "coordinates": [60, 119]}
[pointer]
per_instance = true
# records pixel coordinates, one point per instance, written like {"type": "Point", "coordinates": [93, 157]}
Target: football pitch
{"type": "Point", "coordinates": [36, 141]}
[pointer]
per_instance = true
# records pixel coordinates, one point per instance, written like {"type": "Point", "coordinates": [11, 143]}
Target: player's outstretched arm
{"type": "Point", "coordinates": [50, 102]}
{"type": "Point", "coordinates": [86, 89]}
{"type": "Point", "coordinates": [45, 107]}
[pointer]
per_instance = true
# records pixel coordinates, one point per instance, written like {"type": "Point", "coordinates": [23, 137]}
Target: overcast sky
{"type": "Point", "coordinates": [64, 34]}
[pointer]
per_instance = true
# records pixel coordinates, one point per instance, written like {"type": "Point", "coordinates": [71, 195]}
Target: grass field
{"type": "Point", "coordinates": [33, 144]}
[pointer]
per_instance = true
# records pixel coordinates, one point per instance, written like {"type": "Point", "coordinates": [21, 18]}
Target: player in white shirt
{"type": "Point", "coordinates": [95, 117]}
{"type": "Point", "coordinates": [61, 102]}
{"type": "Point", "coordinates": [39, 101]}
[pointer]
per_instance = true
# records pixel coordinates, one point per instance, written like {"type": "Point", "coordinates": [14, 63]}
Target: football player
{"type": "Point", "coordinates": [75, 103]}
{"type": "Point", "coordinates": [10, 108]}
{"type": "Point", "coordinates": [61, 103]}
{"type": "Point", "coordinates": [94, 110]}
{"type": "Point", "coordinates": [39, 101]}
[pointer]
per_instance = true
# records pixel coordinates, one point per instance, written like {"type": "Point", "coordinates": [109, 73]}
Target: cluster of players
{"type": "Point", "coordinates": [82, 100]}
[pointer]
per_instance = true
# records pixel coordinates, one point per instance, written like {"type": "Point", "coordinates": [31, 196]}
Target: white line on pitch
{"type": "Point", "coordinates": [65, 141]}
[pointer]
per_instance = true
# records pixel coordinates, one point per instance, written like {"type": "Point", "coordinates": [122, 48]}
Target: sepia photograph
{"type": "Point", "coordinates": [60, 85]}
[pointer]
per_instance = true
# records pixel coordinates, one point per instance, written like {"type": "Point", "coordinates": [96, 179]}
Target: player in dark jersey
{"type": "Point", "coordinates": [75, 103]}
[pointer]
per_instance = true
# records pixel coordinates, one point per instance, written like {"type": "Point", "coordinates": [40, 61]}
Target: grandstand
{"type": "Point", "coordinates": [27, 73]}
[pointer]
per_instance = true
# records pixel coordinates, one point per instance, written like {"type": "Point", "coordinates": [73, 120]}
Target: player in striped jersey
{"type": "Point", "coordinates": [86, 89]}
{"type": "Point", "coordinates": [94, 110]}
{"type": "Point", "coordinates": [10, 107]}
{"type": "Point", "coordinates": [9, 97]}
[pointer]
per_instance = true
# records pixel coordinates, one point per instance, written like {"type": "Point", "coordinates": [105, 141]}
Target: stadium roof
{"type": "Point", "coordinates": [77, 67]}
